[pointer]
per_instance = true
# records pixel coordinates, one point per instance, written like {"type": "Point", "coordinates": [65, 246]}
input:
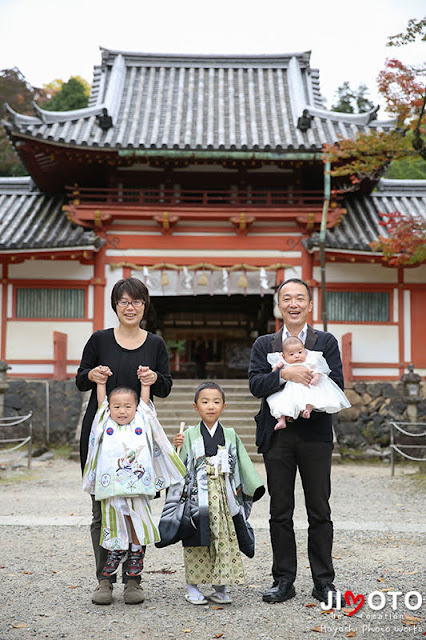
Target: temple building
{"type": "Point", "coordinates": [204, 177]}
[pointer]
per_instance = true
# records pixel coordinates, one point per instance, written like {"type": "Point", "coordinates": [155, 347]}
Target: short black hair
{"type": "Point", "coordinates": [297, 281]}
{"type": "Point", "coordinates": [209, 384]}
{"type": "Point", "coordinates": [134, 287]}
{"type": "Point", "coordinates": [123, 390]}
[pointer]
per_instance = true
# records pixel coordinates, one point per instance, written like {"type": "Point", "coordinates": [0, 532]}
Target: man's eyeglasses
{"type": "Point", "coordinates": [135, 303]}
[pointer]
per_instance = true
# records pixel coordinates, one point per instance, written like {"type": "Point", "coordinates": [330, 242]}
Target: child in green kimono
{"type": "Point", "coordinates": [222, 484]}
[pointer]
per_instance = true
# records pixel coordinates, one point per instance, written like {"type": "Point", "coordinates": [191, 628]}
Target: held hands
{"type": "Point", "coordinates": [146, 376]}
{"type": "Point", "coordinates": [297, 373]}
{"type": "Point", "coordinates": [178, 439]}
{"type": "Point", "coordinates": [99, 374]}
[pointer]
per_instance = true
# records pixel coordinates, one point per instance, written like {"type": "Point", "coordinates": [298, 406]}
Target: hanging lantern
{"type": "Point", "coordinates": [242, 282]}
{"type": "Point", "coordinates": [203, 280]}
{"type": "Point", "coordinates": [164, 279]}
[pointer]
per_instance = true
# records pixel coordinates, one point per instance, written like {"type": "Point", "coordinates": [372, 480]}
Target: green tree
{"type": "Point", "coordinates": [73, 94]}
{"type": "Point", "coordinates": [352, 100]}
{"type": "Point", "coordinates": [19, 94]}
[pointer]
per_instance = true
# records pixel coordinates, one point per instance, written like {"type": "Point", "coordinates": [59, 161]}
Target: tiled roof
{"type": "Point", "coordinates": [212, 103]}
{"type": "Point", "coordinates": [30, 219]}
{"type": "Point", "coordinates": [360, 225]}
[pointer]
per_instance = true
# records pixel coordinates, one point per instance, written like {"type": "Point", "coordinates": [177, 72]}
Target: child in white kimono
{"type": "Point", "coordinates": [295, 398]}
{"type": "Point", "coordinates": [129, 460]}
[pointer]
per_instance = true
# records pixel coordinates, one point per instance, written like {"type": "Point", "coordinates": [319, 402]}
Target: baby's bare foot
{"type": "Point", "coordinates": [281, 424]}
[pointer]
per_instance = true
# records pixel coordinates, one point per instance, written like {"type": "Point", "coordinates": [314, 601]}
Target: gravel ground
{"type": "Point", "coordinates": [47, 568]}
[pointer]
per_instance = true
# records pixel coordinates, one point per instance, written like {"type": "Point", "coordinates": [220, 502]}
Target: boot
{"type": "Point", "coordinates": [103, 592]}
{"type": "Point", "coordinates": [133, 593]}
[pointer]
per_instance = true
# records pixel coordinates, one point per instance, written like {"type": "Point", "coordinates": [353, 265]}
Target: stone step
{"type": "Point", "coordinates": [183, 401]}
{"type": "Point", "coordinates": [227, 385]}
{"type": "Point", "coordinates": [241, 407]}
{"type": "Point", "coordinates": [182, 396]}
{"type": "Point", "coordinates": [176, 417]}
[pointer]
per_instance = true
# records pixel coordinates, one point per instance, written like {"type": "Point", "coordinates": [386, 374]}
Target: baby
{"type": "Point", "coordinates": [296, 398]}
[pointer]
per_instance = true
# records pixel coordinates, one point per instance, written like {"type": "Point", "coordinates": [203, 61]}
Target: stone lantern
{"type": "Point", "coordinates": [3, 383]}
{"type": "Point", "coordinates": [411, 384]}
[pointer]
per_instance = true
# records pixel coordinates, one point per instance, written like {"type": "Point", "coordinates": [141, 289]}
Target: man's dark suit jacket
{"type": "Point", "coordinates": [263, 381]}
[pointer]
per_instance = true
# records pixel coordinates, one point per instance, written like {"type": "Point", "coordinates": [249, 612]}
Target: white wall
{"type": "Point", "coordinates": [416, 275]}
{"type": "Point", "coordinates": [371, 273]}
{"type": "Point", "coordinates": [370, 343]}
{"type": "Point", "coordinates": [51, 270]}
{"type": "Point", "coordinates": [33, 340]}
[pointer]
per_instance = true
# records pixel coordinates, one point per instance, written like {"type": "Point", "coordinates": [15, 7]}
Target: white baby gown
{"type": "Point", "coordinates": [292, 399]}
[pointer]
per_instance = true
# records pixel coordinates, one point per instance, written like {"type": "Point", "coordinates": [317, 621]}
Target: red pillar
{"type": "Point", "coordinates": [307, 264]}
{"type": "Point", "coordinates": [60, 355]}
{"type": "Point", "coordinates": [5, 283]}
{"type": "Point", "coordinates": [347, 357]}
{"type": "Point", "coordinates": [99, 282]}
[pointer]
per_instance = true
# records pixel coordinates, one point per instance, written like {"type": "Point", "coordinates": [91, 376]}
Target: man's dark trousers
{"type": "Point", "coordinates": [288, 451]}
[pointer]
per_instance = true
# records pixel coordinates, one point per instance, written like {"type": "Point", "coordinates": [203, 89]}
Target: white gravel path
{"type": "Point", "coordinates": [47, 568]}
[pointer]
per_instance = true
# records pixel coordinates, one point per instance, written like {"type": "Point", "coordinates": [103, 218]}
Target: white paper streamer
{"type": "Point", "coordinates": [225, 276]}
{"type": "Point", "coordinates": [146, 277]}
{"type": "Point", "coordinates": [187, 278]}
{"type": "Point", "coordinates": [263, 281]}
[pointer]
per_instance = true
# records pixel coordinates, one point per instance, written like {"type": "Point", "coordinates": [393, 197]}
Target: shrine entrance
{"type": "Point", "coordinates": [211, 336]}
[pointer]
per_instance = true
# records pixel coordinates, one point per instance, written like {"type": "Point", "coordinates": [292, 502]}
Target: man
{"type": "Point", "coordinates": [305, 444]}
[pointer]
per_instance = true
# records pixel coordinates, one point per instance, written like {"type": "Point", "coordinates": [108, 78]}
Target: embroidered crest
{"type": "Point", "coordinates": [105, 479]}
{"type": "Point", "coordinates": [159, 483]}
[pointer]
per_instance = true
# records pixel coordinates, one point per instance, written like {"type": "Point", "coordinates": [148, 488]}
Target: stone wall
{"type": "Point", "coordinates": [360, 428]}
{"type": "Point", "coordinates": [363, 427]}
{"type": "Point", "coordinates": [64, 407]}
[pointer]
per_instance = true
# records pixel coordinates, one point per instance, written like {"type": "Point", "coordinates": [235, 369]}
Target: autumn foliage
{"type": "Point", "coordinates": [405, 244]}
{"type": "Point", "coordinates": [404, 91]}
{"type": "Point", "coordinates": [401, 87]}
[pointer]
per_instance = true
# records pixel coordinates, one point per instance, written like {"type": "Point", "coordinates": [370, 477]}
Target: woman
{"type": "Point", "coordinates": [123, 349]}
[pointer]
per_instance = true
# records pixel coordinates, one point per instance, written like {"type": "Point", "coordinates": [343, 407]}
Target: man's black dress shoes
{"type": "Point", "coordinates": [327, 592]}
{"type": "Point", "coordinates": [280, 591]}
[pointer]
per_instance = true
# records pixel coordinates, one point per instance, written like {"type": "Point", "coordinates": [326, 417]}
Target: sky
{"type": "Point", "coordinates": [49, 39]}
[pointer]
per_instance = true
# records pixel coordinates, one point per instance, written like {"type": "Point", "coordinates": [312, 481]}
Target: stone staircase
{"type": "Point", "coordinates": [241, 407]}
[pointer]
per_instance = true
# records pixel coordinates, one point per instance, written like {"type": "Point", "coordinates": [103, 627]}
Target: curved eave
{"type": "Point", "coordinates": [48, 249]}
{"type": "Point", "coordinates": [19, 119]}
{"type": "Point", "coordinates": [278, 153]}
{"type": "Point", "coordinates": [358, 119]}
{"type": "Point", "coordinates": [51, 117]}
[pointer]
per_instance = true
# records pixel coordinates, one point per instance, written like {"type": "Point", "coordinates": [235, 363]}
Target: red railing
{"type": "Point", "coordinates": [203, 197]}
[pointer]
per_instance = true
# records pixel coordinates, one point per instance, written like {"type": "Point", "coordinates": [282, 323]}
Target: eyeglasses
{"type": "Point", "coordinates": [135, 303]}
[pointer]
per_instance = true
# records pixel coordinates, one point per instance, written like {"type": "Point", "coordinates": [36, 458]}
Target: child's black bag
{"type": "Point", "coordinates": [176, 522]}
{"type": "Point", "coordinates": [245, 535]}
